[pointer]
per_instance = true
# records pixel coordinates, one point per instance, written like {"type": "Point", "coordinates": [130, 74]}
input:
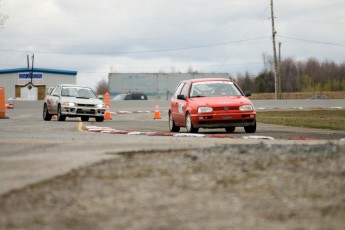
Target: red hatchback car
{"type": "Point", "coordinates": [211, 103]}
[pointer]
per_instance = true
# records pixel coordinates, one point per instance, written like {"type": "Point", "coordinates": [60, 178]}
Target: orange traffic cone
{"type": "Point", "coordinates": [157, 114]}
{"type": "Point", "coordinates": [107, 115]}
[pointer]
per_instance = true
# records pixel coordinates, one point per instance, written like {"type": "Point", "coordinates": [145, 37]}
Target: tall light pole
{"type": "Point", "coordinates": [274, 54]}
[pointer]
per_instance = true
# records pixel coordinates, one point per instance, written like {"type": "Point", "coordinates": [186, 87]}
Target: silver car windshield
{"type": "Point", "coordinates": [78, 92]}
{"type": "Point", "coordinates": [214, 89]}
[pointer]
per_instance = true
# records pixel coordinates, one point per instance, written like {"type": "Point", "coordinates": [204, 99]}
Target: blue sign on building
{"type": "Point", "coordinates": [28, 76]}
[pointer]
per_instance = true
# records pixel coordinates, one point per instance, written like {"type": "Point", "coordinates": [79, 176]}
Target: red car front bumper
{"type": "Point", "coordinates": [223, 120]}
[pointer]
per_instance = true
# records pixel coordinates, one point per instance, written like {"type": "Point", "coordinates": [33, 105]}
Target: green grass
{"type": "Point", "coordinates": [320, 119]}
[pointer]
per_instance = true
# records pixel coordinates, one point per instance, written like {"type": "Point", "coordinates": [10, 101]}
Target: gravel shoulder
{"type": "Point", "coordinates": [258, 186]}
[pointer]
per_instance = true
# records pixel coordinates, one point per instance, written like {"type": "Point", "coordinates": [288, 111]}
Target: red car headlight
{"type": "Point", "coordinates": [246, 108]}
{"type": "Point", "coordinates": [205, 110]}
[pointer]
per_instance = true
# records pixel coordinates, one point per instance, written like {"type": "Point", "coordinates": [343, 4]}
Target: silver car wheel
{"type": "Point", "coordinates": [189, 125]}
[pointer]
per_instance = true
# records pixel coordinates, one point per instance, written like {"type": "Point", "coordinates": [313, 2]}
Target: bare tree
{"type": "Point", "coordinates": [102, 87]}
{"type": "Point", "coordinates": [268, 63]}
{"type": "Point", "coordinates": [246, 82]}
{"type": "Point", "coordinates": [3, 18]}
{"type": "Point", "coordinates": [191, 71]}
{"type": "Point", "coordinates": [173, 69]}
{"type": "Point", "coordinates": [289, 74]}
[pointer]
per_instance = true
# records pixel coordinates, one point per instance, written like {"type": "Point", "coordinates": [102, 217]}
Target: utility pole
{"type": "Point", "coordinates": [274, 54]}
{"type": "Point", "coordinates": [32, 67]}
{"type": "Point", "coordinates": [279, 72]}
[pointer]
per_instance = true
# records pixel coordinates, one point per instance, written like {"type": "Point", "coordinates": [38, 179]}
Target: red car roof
{"type": "Point", "coordinates": [209, 79]}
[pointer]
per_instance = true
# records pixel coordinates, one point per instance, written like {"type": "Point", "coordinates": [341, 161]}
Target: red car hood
{"type": "Point", "coordinates": [220, 101]}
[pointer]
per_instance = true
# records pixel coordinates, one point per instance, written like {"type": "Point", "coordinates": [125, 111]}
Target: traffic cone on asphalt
{"type": "Point", "coordinates": [157, 114]}
{"type": "Point", "coordinates": [107, 115]}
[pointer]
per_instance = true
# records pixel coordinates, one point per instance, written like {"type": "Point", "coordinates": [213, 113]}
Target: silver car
{"type": "Point", "coordinates": [73, 101]}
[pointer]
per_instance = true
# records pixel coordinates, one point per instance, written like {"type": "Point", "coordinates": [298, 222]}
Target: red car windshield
{"type": "Point", "coordinates": [214, 89]}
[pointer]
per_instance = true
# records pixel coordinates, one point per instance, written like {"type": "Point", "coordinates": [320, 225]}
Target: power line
{"type": "Point", "coordinates": [243, 37]}
{"type": "Point", "coordinates": [165, 17]}
{"type": "Point", "coordinates": [116, 39]}
{"type": "Point", "coordinates": [312, 41]}
{"type": "Point", "coordinates": [316, 22]}
{"type": "Point", "coordinates": [139, 52]}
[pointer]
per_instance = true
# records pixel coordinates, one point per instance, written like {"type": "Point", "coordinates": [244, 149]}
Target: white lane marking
{"type": "Point", "coordinates": [257, 137]}
{"type": "Point", "coordinates": [108, 131]}
{"type": "Point", "coordinates": [139, 133]}
{"type": "Point", "coordinates": [189, 135]}
{"type": "Point", "coordinates": [80, 126]}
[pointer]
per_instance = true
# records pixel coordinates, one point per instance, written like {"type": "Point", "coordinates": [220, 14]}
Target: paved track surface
{"type": "Point", "coordinates": [32, 150]}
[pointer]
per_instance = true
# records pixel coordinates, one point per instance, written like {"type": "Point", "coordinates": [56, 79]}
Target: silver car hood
{"type": "Point", "coordinates": [93, 101]}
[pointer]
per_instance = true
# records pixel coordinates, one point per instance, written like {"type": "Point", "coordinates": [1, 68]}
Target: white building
{"type": "Point", "coordinates": [32, 84]}
{"type": "Point", "coordinates": [155, 85]}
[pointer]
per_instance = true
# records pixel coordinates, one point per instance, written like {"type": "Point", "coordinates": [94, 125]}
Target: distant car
{"type": "Point", "coordinates": [130, 96]}
{"type": "Point", "coordinates": [211, 103]}
{"type": "Point", "coordinates": [9, 104]}
{"type": "Point", "coordinates": [11, 101]}
{"type": "Point", "coordinates": [73, 101]}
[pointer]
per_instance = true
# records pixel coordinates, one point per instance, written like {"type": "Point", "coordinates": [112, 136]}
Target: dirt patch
{"type": "Point", "coordinates": [226, 187]}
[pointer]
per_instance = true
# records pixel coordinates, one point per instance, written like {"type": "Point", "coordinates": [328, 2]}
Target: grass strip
{"type": "Point", "coordinates": [320, 119]}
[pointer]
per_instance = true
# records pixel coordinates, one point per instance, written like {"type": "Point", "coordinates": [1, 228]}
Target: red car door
{"type": "Point", "coordinates": [174, 102]}
{"type": "Point", "coordinates": [181, 104]}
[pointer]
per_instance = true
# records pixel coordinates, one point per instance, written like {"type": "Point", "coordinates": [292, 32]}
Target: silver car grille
{"type": "Point", "coordinates": [86, 105]}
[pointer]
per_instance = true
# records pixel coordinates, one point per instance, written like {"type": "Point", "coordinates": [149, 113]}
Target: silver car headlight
{"type": "Point", "coordinates": [69, 104]}
{"type": "Point", "coordinates": [101, 106]}
{"type": "Point", "coordinates": [246, 108]}
{"type": "Point", "coordinates": [205, 110]}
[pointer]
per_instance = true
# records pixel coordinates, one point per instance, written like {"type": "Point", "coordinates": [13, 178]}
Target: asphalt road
{"type": "Point", "coordinates": [32, 150]}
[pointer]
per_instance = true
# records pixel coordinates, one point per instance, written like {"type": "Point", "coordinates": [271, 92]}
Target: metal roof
{"type": "Point", "coordinates": [40, 70]}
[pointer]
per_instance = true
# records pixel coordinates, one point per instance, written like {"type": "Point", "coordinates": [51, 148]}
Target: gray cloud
{"type": "Point", "coordinates": [95, 37]}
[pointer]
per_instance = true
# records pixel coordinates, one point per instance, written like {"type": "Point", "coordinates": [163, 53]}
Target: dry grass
{"type": "Point", "coordinates": [322, 119]}
{"type": "Point", "coordinates": [298, 95]}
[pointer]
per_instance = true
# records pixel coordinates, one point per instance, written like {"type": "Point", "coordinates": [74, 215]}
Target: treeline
{"type": "Point", "coordinates": [297, 76]}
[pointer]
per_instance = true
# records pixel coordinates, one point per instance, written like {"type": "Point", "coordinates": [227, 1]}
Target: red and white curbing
{"type": "Point", "coordinates": [98, 129]}
{"type": "Point", "coordinates": [115, 131]}
{"type": "Point", "coordinates": [129, 112]}
{"type": "Point", "coordinates": [109, 130]}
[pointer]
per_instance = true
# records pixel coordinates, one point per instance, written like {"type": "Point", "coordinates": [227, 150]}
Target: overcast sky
{"type": "Point", "coordinates": [98, 37]}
